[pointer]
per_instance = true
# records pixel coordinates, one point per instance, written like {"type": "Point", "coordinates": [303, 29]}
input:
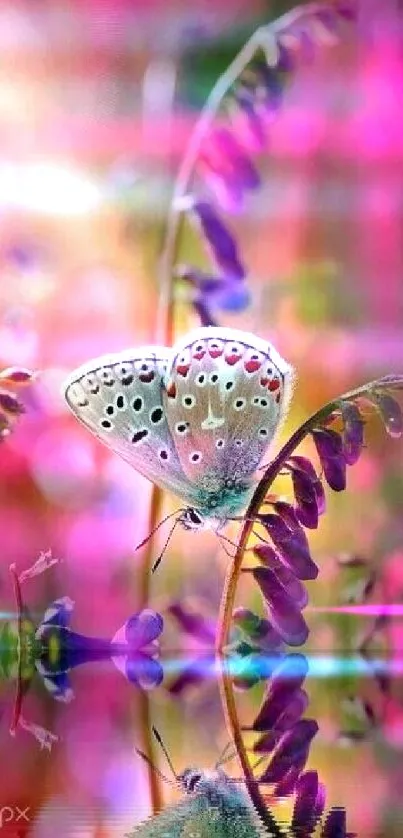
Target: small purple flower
{"type": "Point", "coordinates": [308, 491]}
{"type": "Point", "coordinates": [219, 239]}
{"type": "Point", "coordinates": [391, 413]}
{"type": "Point", "coordinates": [291, 544]}
{"type": "Point", "coordinates": [284, 574]}
{"type": "Point", "coordinates": [329, 446]}
{"type": "Point", "coordinates": [353, 432]}
{"type": "Point", "coordinates": [285, 614]}
{"type": "Point", "coordinates": [291, 750]}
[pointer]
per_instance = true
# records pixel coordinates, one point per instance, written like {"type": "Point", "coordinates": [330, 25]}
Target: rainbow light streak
{"type": "Point", "coordinates": [372, 610]}
{"type": "Point", "coordinates": [320, 665]}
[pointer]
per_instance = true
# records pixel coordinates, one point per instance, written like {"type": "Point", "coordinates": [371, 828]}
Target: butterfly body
{"type": "Point", "coordinates": [214, 807]}
{"type": "Point", "coordinates": [195, 419]}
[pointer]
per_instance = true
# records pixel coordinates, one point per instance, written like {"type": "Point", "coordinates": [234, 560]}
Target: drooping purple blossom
{"type": "Point", "coordinates": [291, 543]}
{"type": "Point", "coordinates": [285, 615]}
{"type": "Point", "coordinates": [308, 491]}
{"type": "Point", "coordinates": [329, 446]}
{"type": "Point", "coordinates": [220, 241]}
{"type": "Point", "coordinates": [353, 432]}
{"type": "Point", "coordinates": [391, 413]}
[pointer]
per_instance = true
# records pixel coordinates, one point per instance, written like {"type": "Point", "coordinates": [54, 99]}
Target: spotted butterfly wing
{"type": "Point", "coordinates": [119, 398]}
{"type": "Point", "coordinates": [227, 392]}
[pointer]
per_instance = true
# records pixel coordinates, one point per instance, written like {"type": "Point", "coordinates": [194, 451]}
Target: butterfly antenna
{"type": "Point", "coordinates": [150, 534]}
{"type": "Point", "coordinates": [233, 544]}
{"type": "Point", "coordinates": [164, 751]}
{"type": "Point", "coordinates": [161, 555]}
{"type": "Point", "coordinates": [154, 767]}
{"type": "Point", "coordinates": [225, 757]}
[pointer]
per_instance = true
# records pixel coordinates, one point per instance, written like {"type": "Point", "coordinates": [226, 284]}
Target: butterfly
{"type": "Point", "coordinates": [216, 807]}
{"type": "Point", "coordinates": [195, 418]}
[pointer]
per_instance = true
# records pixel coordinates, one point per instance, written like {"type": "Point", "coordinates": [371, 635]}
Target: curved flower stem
{"type": "Point", "coordinates": [231, 582]}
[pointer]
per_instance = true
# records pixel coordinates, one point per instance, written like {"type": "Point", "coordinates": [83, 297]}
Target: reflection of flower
{"type": "Point", "coordinates": [132, 649]}
{"type": "Point", "coordinates": [53, 649]}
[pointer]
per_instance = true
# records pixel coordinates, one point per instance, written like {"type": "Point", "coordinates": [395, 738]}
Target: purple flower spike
{"type": "Point", "coordinates": [220, 240]}
{"type": "Point", "coordinates": [353, 433]}
{"type": "Point", "coordinates": [291, 751]}
{"type": "Point", "coordinates": [391, 414]}
{"type": "Point", "coordinates": [141, 629]}
{"type": "Point", "coordinates": [284, 613]}
{"type": "Point", "coordinates": [307, 508]}
{"type": "Point", "coordinates": [291, 543]}
{"type": "Point", "coordinates": [329, 446]}
{"type": "Point", "coordinates": [309, 804]}
{"type": "Point", "coordinates": [10, 404]}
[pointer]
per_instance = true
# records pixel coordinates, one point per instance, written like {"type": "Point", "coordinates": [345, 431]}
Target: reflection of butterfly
{"type": "Point", "coordinates": [195, 419]}
{"type": "Point", "coordinates": [216, 807]}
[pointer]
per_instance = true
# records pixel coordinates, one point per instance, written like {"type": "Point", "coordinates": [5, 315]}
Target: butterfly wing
{"type": "Point", "coordinates": [170, 823]}
{"type": "Point", "coordinates": [198, 817]}
{"type": "Point", "coordinates": [227, 392]}
{"type": "Point", "coordinates": [119, 399]}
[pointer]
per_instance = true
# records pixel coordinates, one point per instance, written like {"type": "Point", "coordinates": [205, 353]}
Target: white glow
{"type": "Point", "coordinates": [48, 188]}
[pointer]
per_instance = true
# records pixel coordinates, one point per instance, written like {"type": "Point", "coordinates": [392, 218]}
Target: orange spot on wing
{"type": "Point", "coordinates": [274, 385]}
{"type": "Point", "coordinates": [171, 389]}
{"type": "Point", "coordinates": [183, 369]}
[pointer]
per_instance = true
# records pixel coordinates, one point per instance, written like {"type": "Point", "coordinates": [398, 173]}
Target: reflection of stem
{"type": "Point", "coordinates": [235, 732]}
